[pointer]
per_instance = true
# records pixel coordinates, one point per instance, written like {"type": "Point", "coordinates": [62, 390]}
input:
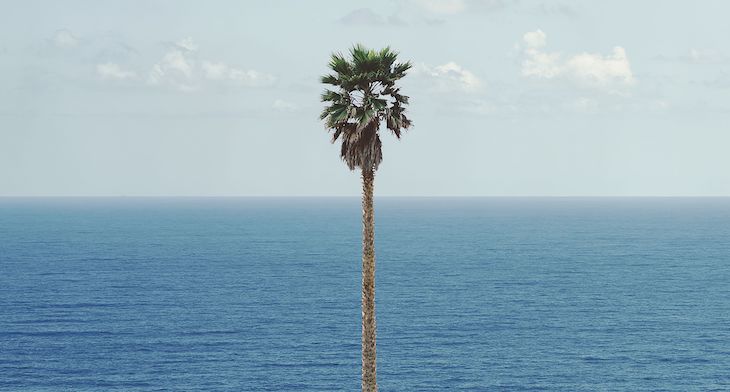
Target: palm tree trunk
{"type": "Point", "coordinates": [369, 382]}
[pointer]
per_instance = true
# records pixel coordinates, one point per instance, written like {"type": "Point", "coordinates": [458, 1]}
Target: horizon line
{"type": "Point", "coordinates": [341, 196]}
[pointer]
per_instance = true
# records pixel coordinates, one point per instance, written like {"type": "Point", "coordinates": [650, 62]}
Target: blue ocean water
{"type": "Point", "coordinates": [482, 294]}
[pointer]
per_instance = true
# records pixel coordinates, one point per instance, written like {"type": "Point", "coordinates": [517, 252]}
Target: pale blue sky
{"type": "Point", "coordinates": [222, 97]}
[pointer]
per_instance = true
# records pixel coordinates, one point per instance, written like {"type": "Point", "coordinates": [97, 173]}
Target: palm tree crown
{"type": "Point", "coordinates": [364, 94]}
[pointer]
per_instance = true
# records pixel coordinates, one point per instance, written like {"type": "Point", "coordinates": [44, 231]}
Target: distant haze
{"type": "Point", "coordinates": [221, 98]}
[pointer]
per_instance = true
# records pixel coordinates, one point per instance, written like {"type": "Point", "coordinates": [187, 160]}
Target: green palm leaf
{"type": "Point", "coordinates": [364, 95]}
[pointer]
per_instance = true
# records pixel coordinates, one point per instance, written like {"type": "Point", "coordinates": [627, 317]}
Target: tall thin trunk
{"type": "Point", "coordinates": [369, 381]}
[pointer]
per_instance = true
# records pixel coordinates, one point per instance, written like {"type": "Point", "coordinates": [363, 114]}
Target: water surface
{"type": "Point", "coordinates": [558, 294]}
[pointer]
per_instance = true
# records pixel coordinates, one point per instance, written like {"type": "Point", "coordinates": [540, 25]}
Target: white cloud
{"type": "Point", "coordinates": [541, 65]}
{"type": "Point", "coordinates": [176, 61]}
{"type": "Point", "coordinates": [449, 77]}
{"type": "Point", "coordinates": [215, 71]}
{"type": "Point", "coordinates": [552, 8]}
{"type": "Point", "coordinates": [535, 39]}
{"type": "Point", "coordinates": [250, 77]}
{"type": "Point", "coordinates": [114, 71]}
{"type": "Point", "coordinates": [284, 106]}
{"type": "Point", "coordinates": [178, 67]}
{"type": "Point", "coordinates": [610, 73]}
{"type": "Point", "coordinates": [175, 69]}
{"type": "Point", "coordinates": [366, 16]}
{"type": "Point", "coordinates": [223, 72]}
{"type": "Point", "coordinates": [181, 68]}
{"type": "Point", "coordinates": [156, 75]}
{"type": "Point", "coordinates": [187, 44]}
{"type": "Point", "coordinates": [447, 7]}
{"type": "Point", "coordinates": [453, 7]}
{"type": "Point", "coordinates": [584, 105]}
{"type": "Point", "coordinates": [602, 71]}
{"type": "Point", "coordinates": [65, 39]}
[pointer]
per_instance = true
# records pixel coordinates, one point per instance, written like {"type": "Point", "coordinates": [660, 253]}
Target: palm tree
{"type": "Point", "coordinates": [364, 94]}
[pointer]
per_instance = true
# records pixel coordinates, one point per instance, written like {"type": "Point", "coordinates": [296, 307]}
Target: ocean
{"type": "Point", "coordinates": [257, 294]}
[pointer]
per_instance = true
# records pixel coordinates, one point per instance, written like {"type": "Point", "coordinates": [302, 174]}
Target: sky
{"type": "Point", "coordinates": [221, 98]}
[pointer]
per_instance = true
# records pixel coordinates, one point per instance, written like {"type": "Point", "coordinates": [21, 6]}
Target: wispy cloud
{"type": "Point", "coordinates": [284, 106]}
{"type": "Point", "coordinates": [611, 73]}
{"type": "Point", "coordinates": [448, 77]}
{"type": "Point", "coordinates": [175, 69]}
{"type": "Point", "coordinates": [553, 8]}
{"type": "Point", "coordinates": [368, 17]}
{"type": "Point", "coordinates": [699, 56]}
{"type": "Point", "coordinates": [181, 69]}
{"type": "Point", "coordinates": [187, 44]}
{"type": "Point", "coordinates": [65, 39]}
{"type": "Point", "coordinates": [223, 72]}
{"type": "Point", "coordinates": [441, 7]}
{"type": "Point", "coordinates": [454, 7]}
{"type": "Point", "coordinates": [114, 71]}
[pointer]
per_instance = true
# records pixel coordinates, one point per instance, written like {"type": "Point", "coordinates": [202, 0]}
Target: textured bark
{"type": "Point", "coordinates": [369, 381]}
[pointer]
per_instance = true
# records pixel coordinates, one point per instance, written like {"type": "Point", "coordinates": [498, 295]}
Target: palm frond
{"type": "Point", "coordinates": [400, 69]}
{"type": "Point", "coordinates": [330, 79]}
{"type": "Point", "coordinates": [364, 94]}
{"type": "Point", "coordinates": [332, 96]}
{"type": "Point", "coordinates": [340, 65]}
